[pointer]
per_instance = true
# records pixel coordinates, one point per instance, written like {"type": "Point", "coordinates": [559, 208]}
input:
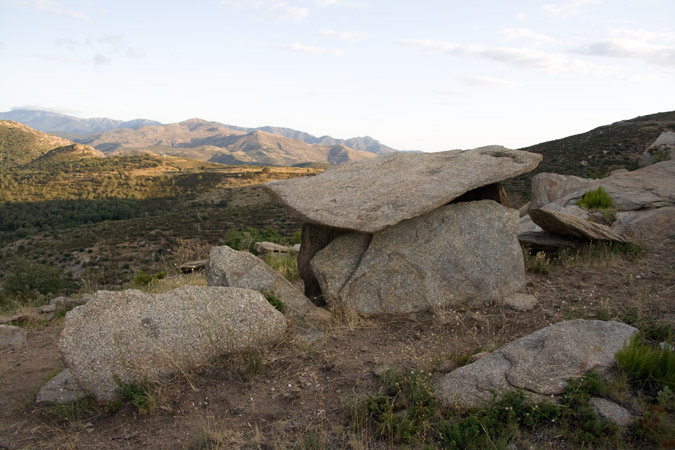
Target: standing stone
{"type": "Point", "coordinates": [314, 239]}
{"type": "Point", "coordinates": [369, 195]}
{"type": "Point", "coordinates": [133, 335]}
{"type": "Point", "coordinates": [456, 253]}
{"type": "Point", "coordinates": [228, 267]}
{"type": "Point", "coordinates": [540, 363]}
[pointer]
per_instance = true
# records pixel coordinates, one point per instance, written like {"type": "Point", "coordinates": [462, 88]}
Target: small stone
{"type": "Point", "coordinates": [46, 309]}
{"type": "Point", "coordinates": [447, 365]}
{"type": "Point", "coordinates": [363, 349]}
{"type": "Point", "coordinates": [521, 302]}
{"type": "Point", "coordinates": [609, 410]}
{"type": "Point", "coordinates": [63, 388]}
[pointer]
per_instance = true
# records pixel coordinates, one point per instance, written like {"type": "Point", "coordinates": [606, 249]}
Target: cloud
{"type": "Point", "coordinates": [276, 9]}
{"type": "Point", "coordinates": [569, 8]}
{"type": "Point", "coordinates": [52, 7]}
{"type": "Point", "coordinates": [37, 107]}
{"type": "Point", "coordinates": [491, 82]}
{"type": "Point", "coordinates": [103, 49]}
{"type": "Point", "coordinates": [101, 60]}
{"type": "Point", "coordinates": [653, 47]}
{"type": "Point", "coordinates": [520, 57]}
{"type": "Point", "coordinates": [301, 48]}
{"type": "Point", "coordinates": [511, 34]}
{"type": "Point", "coordinates": [520, 16]}
{"type": "Point", "coordinates": [344, 35]}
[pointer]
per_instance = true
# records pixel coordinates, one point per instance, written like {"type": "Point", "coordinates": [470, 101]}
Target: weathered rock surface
{"type": "Point", "coordinates": [456, 253]}
{"type": "Point", "coordinates": [335, 266]}
{"type": "Point", "coordinates": [548, 187]}
{"type": "Point", "coordinates": [133, 334]}
{"type": "Point", "coordinates": [63, 388]}
{"type": "Point", "coordinates": [654, 224]}
{"type": "Point", "coordinates": [647, 188]}
{"type": "Point", "coordinates": [12, 337]}
{"type": "Point", "coordinates": [228, 267]}
{"type": "Point", "coordinates": [662, 149]}
{"type": "Point", "coordinates": [540, 363]}
{"type": "Point", "coordinates": [271, 247]}
{"type": "Point", "coordinates": [370, 195]}
{"type": "Point", "coordinates": [609, 410]}
{"type": "Point", "coordinates": [568, 225]}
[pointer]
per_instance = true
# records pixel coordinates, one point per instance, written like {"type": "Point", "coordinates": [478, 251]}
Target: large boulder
{"type": "Point", "coordinates": [575, 227]}
{"type": "Point", "coordinates": [653, 224]}
{"type": "Point", "coordinates": [228, 267]}
{"type": "Point", "coordinates": [540, 363]}
{"type": "Point", "coordinates": [647, 188]}
{"type": "Point", "coordinates": [548, 187]}
{"type": "Point", "coordinates": [134, 335]}
{"type": "Point", "coordinates": [457, 253]}
{"type": "Point", "coordinates": [370, 195]}
{"type": "Point", "coordinates": [662, 149]}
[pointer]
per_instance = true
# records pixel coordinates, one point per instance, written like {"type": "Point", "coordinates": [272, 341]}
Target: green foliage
{"type": "Point", "coordinates": [139, 394]}
{"type": "Point", "coordinates": [82, 409]}
{"type": "Point", "coordinates": [142, 279]}
{"type": "Point", "coordinates": [405, 412]}
{"type": "Point", "coordinates": [285, 264]}
{"type": "Point", "coordinates": [661, 154]}
{"type": "Point", "coordinates": [646, 364]}
{"type": "Point", "coordinates": [597, 199]}
{"type": "Point", "coordinates": [28, 281]}
{"type": "Point", "coordinates": [246, 237]}
{"type": "Point", "coordinates": [273, 299]}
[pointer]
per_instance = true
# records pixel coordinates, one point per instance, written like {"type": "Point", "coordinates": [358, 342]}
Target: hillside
{"type": "Point", "coordinates": [50, 122]}
{"type": "Point", "coordinates": [214, 142]}
{"type": "Point", "coordinates": [598, 152]}
{"type": "Point", "coordinates": [67, 153]}
{"type": "Point", "coordinates": [20, 144]}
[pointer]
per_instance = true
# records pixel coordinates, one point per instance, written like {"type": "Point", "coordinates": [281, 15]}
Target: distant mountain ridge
{"type": "Point", "coordinates": [50, 122]}
{"type": "Point", "coordinates": [67, 126]}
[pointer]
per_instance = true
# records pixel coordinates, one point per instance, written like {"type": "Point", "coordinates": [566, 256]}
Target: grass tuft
{"type": "Point", "coordinates": [597, 199]}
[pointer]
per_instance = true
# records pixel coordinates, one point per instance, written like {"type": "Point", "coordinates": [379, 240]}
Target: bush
{"type": "Point", "coordinates": [273, 299]}
{"type": "Point", "coordinates": [644, 364]}
{"type": "Point", "coordinates": [28, 281]}
{"type": "Point", "coordinates": [597, 199]}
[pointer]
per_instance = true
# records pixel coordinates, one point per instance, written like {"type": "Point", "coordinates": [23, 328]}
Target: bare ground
{"type": "Point", "coordinates": [301, 389]}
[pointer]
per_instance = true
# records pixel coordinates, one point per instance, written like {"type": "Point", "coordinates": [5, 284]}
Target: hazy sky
{"type": "Point", "coordinates": [424, 75]}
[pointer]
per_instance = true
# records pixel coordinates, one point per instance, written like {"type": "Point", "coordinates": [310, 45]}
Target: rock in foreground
{"type": "Point", "coordinates": [575, 227]}
{"type": "Point", "coordinates": [132, 334]}
{"type": "Point", "coordinates": [228, 267]}
{"type": "Point", "coordinates": [540, 363]}
{"type": "Point", "coordinates": [370, 195]}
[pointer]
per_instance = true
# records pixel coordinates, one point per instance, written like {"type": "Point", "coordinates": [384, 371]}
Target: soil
{"type": "Point", "coordinates": [285, 395]}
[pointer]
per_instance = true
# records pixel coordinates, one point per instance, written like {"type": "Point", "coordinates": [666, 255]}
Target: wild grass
{"type": "Point", "coordinates": [643, 363]}
{"type": "Point", "coordinates": [596, 253]}
{"type": "Point", "coordinates": [596, 199]}
{"type": "Point", "coordinates": [286, 265]}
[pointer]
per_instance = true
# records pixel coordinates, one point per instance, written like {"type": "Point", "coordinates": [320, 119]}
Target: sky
{"type": "Point", "coordinates": [416, 75]}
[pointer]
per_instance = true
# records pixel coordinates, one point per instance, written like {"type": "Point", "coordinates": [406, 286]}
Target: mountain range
{"type": "Point", "coordinates": [74, 128]}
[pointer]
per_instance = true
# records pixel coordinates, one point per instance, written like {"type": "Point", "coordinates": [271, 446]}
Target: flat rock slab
{"type": "Point", "coordinates": [540, 363]}
{"type": "Point", "coordinates": [63, 388]}
{"type": "Point", "coordinates": [457, 253]}
{"type": "Point", "coordinates": [228, 267]}
{"type": "Point", "coordinates": [575, 227]}
{"type": "Point", "coordinates": [133, 335]}
{"type": "Point", "coordinates": [541, 240]}
{"type": "Point", "coordinates": [370, 195]}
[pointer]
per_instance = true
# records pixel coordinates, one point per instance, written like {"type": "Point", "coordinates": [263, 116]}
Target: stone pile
{"type": "Point", "coordinates": [407, 232]}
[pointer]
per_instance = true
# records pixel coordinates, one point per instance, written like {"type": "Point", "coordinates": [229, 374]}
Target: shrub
{"type": "Point", "coordinates": [644, 364]}
{"type": "Point", "coordinates": [273, 299]}
{"type": "Point", "coordinates": [138, 394]}
{"type": "Point", "coordinates": [28, 281]}
{"type": "Point", "coordinates": [597, 199]}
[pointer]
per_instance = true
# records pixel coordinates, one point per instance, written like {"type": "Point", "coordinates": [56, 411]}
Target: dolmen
{"type": "Point", "coordinates": [407, 232]}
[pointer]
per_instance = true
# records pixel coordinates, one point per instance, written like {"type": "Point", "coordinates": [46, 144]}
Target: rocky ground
{"type": "Point", "coordinates": [297, 394]}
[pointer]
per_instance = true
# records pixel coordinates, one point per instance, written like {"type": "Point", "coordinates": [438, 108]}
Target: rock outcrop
{"type": "Point", "coordinates": [228, 267]}
{"type": "Point", "coordinates": [370, 195]}
{"type": "Point", "coordinates": [460, 252]}
{"type": "Point", "coordinates": [662, 149]}
{"type": "Point", "coordinates": [134, 335]}
{"type": "Point", "coordinates": [540, 363]}
{"type": "Point", "coordinates": [549, 187]}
